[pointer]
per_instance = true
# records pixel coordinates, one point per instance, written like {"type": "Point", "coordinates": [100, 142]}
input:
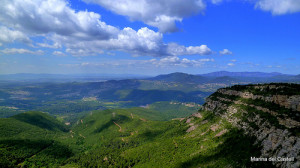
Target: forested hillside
{"type": "Point", "coordinates": [128, 137]}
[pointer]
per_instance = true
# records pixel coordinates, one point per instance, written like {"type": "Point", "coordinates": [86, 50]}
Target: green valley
{"type": "Point", "coordinates": [159, 122]}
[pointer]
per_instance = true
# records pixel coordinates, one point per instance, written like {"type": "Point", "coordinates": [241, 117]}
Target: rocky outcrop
{"type": "Point", "coordinates": [290, 102]}
{"type": "Point", "coordinates": [277, 133]}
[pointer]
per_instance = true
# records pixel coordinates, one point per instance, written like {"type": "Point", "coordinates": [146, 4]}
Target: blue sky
{"type": "Point", "coordinates": [149, 36]}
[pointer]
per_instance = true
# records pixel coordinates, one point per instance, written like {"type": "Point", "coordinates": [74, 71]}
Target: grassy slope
{"type": "Point", "coordinates": [141, 143]}
{"type": "Point", "coordinates": [173, 109]}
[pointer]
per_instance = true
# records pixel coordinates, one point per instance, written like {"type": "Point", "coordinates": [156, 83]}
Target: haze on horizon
{"type": "Point", "coordinates": [149, 37]}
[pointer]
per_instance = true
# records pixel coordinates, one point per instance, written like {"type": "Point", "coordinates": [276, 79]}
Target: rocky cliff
{"type": "Point", "coordinates": [269, 112]}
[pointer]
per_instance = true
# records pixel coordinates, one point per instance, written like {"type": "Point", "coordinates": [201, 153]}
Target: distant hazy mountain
{"type": "Point", "coordinates": [225, 77]}
{"type": "Point", "coordinates": [29, 77]}
{"type": "Point", "coordinates": [241, 74]}
{"type": "Point", "coordinates": [297, 76]}
{"type": "Point", "coordinates": [180, 77]}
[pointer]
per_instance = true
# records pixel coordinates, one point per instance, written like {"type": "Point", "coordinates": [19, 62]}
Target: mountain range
{"type": "Point", "coordinates": [167, 77]}
{"type": "Point", "coordinates": [227, 77]}
{"type": "Point", "coordinates": [244, 74]}
{"type": "Point", "coordinates": [65, 97]}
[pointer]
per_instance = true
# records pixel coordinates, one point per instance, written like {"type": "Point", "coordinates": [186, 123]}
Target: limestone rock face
{"type": "Point", "coordinates": [290, 102]}
{"type": "Point", "coordinates": [277, 133]}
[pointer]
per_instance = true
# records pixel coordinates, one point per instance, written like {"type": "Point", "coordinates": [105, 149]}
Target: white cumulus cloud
{"type": "Point", "coordinates": [9, 35]}
{"type": "Point", "coordinates": [175, 61]}
{"type": "Point", "coordinates": [279, 7]}
{"type": "Point", "coordinates": [58, 53]}
{"type": "Point", "coordinates": [141, 42]}
{"type": "Point", "coordinates": [225, 52]}
{"type": "Point", "coordinates": [40, 17]}
{"type": "Point", "coordinates": [82, 33]}
{"type": "Point", "coordinates": [21, 51]}
{"type": "Point", "coordinates": [158, 13]}
{"type": "Point", "coordinates": [175, 49]}
{"type": "Point", "coordinates": [46, 45]}
{"type": "Point", "coordinates": [216, 1]}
